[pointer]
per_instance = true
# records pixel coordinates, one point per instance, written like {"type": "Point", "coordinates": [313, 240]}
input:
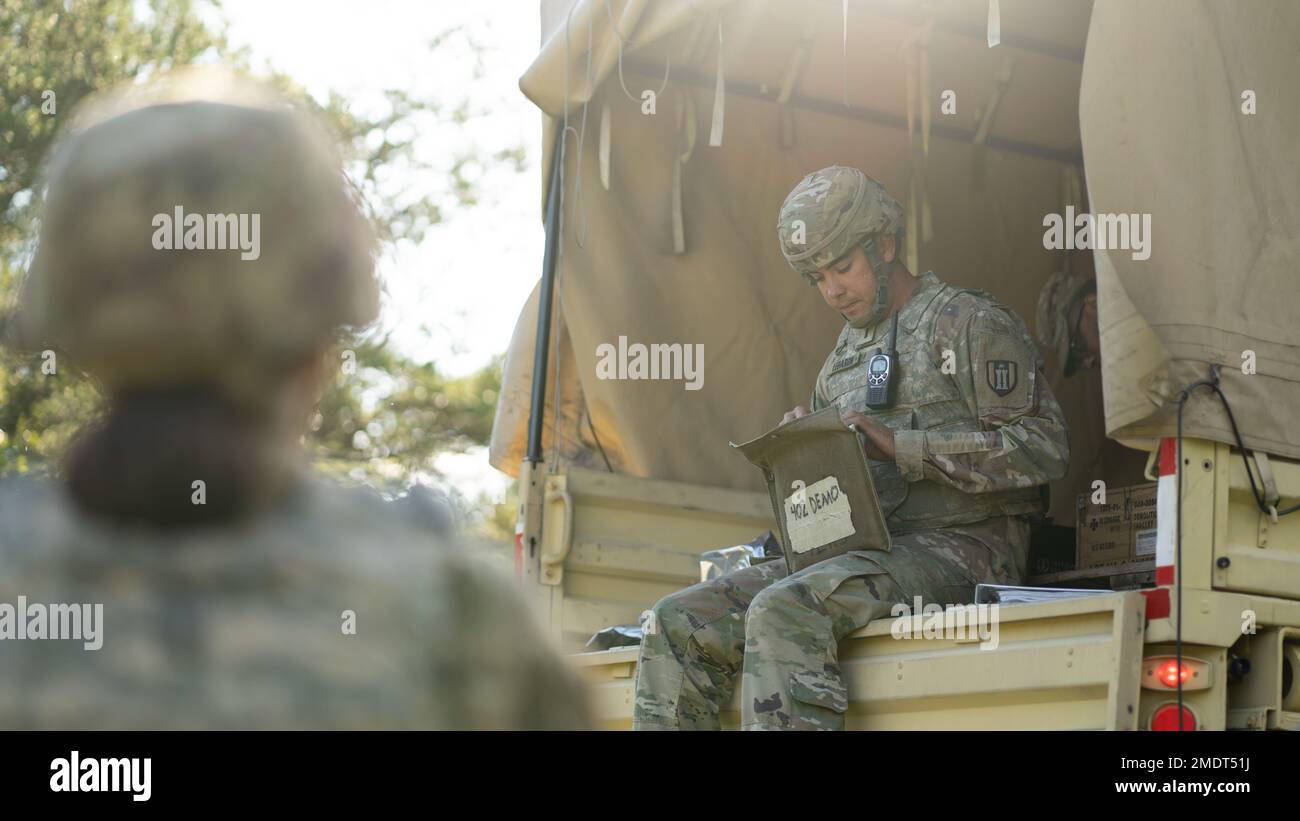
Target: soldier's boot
{"type": "Point", "coordinates": [692, 649]}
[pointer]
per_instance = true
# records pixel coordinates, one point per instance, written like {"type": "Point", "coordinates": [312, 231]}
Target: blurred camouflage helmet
{"type": "Point", "coordinates": [276, 256]}
{"type": "Point", "coordinates": [829, 212]}
{"type": "Point", "coordinates": [1052, 316]}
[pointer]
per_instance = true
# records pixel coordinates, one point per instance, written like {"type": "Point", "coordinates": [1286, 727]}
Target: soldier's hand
{"type": "Point", "coordinates": [799, 410]}
{"type": "Point", "coordinates": [880, 438]}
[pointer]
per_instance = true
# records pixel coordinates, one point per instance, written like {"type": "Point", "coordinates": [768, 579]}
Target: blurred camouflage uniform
{"type": "Point", "coordinates": [1082, 398]}
{"type": "Point", "coordinates": [243, 628]}
{"type": "Point", "coordinates": [1052, 315]}
{"type": "Point", "coordinates": [242, 624]}
{"type": "Point", "coordinates": [973, 449]}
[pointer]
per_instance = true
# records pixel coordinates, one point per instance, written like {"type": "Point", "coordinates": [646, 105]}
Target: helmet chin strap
{"type": "Point", "coordinates": [879, 308]}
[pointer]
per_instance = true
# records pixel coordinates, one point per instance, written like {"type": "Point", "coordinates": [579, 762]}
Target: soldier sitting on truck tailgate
{"type": "Point", "coordinates": [958, 460]}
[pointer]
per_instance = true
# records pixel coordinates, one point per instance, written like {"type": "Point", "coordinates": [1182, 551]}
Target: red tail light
{"type": "Point", "coordinates": [1165, 718]}
{"type": "Point", "coordinates": [1163, 673]}
{"type": "Point", "coordinates": [1169, 673]}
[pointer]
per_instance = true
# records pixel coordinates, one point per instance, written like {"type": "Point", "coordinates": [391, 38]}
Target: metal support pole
{"type": "Point", "coordinates": [541, 348]}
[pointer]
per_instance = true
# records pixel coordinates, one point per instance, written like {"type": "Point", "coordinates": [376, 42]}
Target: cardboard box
{"type": "Point", "coordinates": [1142, 516]}
{"type": "Point", "coordinates": [1121, 531]}
{"type": "Point", "coordinates": [1103, 533]}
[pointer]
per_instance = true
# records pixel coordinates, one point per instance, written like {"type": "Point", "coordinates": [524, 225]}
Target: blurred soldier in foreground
{"type": "Point", "coordinates": [957, 460]}
{"type": "Point", "coordinates": [1067, 325]}
{"type": "Point", "coordinates": [237, 590]}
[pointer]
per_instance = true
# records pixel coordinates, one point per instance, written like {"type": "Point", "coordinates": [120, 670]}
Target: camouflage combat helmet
{"type": "Point", "coordinates": [1052, 316]}
{"type": "Point", "coordinates": [828, 213]}
{"type": "Point", "coordinates": [191, 155]}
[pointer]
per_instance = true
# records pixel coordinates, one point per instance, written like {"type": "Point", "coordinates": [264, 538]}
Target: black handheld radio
{"type": "Point", "coordinates": [882, 371]}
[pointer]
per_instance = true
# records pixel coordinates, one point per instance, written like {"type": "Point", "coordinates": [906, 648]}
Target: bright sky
{"type": "Point", "coordinates": [455, 297]}
{"type": "Point", "coordinates": [471, 275]}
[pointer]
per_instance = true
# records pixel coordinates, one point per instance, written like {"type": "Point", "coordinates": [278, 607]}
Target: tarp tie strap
{"type": "Point", "coordinates": [844, 51]}
{"type": "Point", "coordinates": [991, 110]}
{"type": "Point", "coordinates": [793, 74]}
{"type": "Point", "coordinates": [604, 145]}
{"type": "Point", "coordinates": [925, 88]}
{"type": "Point", "coordinates": [913, 210]}
{"type": "Point", "coordinates": [719, 96]}
{"type": "Point", "coordinates": [686, 143]}
{"type": "Point", "coordinates": [579, 209]}
{"type": "Point", "coordinates": [927, 227]}
{"type": "Point", "coordinates": [1266, 478]}
{"type": "Point", "coordinates": [1071, 191]}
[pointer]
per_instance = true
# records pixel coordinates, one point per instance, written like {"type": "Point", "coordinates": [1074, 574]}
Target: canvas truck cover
{"type": "Point", "coordinates": [1165, 134]}
{"type": "Point", "coordinates": [670, 210]}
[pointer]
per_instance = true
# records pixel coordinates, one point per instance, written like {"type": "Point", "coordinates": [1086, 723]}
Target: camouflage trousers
{"type": "Point", "coordinates": [780, 631]}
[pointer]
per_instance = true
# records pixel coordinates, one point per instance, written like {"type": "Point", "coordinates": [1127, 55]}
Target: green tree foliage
{"type": "Point", "coordinates": [391, 416]}
{"type": "Point", "coordinates": [54, 53]}
{"type": "Point", "coordinates": [382, 422]}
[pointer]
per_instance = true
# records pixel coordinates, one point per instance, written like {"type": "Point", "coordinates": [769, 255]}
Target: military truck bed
{"type": "Point", "coordinates": [1063, 665]}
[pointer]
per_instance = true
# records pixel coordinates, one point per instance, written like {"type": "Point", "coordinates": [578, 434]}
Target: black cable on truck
{"type": "Point", "coordinates": [1213, 384]}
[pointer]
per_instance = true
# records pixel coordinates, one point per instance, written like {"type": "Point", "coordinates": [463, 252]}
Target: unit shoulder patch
{"type": "Point", "coordinates": [1001, 375]}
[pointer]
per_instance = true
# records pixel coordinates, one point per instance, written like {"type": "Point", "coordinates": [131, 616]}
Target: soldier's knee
{"type": "Point", "coordinates": [778, 604]}
{"type": "Point", "coordinates": [668, 617]}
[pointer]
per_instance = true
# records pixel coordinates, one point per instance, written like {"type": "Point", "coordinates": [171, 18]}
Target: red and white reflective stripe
{"type": "Point", "coordinates": [1166, 511]}
{"type": "Point", "coordinates": [519, 544]}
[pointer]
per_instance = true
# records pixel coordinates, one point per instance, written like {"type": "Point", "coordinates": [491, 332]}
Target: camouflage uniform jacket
{"type": "Point", "coordinates": [245, 626]}
{"type": "Point", "coordinates": [976, 428]}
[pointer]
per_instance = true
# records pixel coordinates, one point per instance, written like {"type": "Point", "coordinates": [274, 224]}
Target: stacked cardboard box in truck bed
{"type": "Point", "coordinates": [1119, 530]}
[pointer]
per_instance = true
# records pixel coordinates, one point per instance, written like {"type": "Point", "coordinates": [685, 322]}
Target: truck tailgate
{"type": "Point", "coordinates": [1072, 664]}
